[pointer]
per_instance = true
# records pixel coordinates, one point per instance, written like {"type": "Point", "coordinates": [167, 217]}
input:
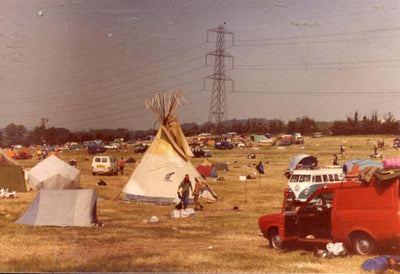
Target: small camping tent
{"type": "Point", "coordinates": [54, 173]}
{"type": "Point", "coordinates": [207, 171]}
{"type": "Point", "coordinates": [11, 174]}
{"type": "Point", "coordinates": [302, 161]}
{"type": "Point", "coordinates": [221, 166]}
{"type": "Point", "coordinates": [256, 138]}
{"type": "Point", "coordinates": [65, 207]}
{"type": "Point", "coordinates": [166, 161]}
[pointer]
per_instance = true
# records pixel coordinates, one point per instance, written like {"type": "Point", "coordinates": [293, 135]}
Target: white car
{"type": "Point", "coordinates": [111, 146]}
{"type": "Point", "coordinates": [104, 165]}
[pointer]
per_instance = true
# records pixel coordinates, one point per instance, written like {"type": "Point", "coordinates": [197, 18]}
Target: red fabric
{"type": "Point", "coordinates": [205, 170]}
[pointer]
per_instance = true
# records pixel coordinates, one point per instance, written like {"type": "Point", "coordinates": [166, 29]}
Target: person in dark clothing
{"type": "Point", "coordinates": [185, 187]}
{"type": "Point", "coordinates": [335, 162]}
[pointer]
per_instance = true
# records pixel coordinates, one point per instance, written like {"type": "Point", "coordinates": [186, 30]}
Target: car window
{"type": "Point", "coordinates": [294, 178]}
{"type": "Point", "coordinates": [97, 160]}
{"type": "Point", "coordinates": [104, 160]}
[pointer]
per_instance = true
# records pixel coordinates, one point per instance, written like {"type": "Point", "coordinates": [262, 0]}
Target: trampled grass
{"type": "Point", "coordinates": [217, 239]}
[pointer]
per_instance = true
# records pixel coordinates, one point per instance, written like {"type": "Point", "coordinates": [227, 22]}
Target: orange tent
{"type": "Point", "coordinates": [53, 153]}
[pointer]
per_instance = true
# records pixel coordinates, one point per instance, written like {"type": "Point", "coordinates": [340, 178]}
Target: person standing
{"type": "Point", "coordinates": [185, 187]}
{"type": "Point", "coordinates": [121, 166]}
{"type": "Point", "coordinates": [196, 193]}
{"type": "Point", "coordinates": [343, 152]}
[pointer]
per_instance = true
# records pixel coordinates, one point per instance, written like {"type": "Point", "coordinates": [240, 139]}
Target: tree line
{"type": "Point", "coordinates": [14, 134]}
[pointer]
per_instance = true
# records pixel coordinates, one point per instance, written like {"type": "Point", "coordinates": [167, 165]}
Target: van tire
{"type": "Point", "coordinates": [275, 239]}
{"type": "Point", "coordinates": [363, 244]}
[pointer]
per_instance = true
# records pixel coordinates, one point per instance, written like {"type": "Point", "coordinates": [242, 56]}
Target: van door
{"type": "Point", "coordinates": [314, 218]}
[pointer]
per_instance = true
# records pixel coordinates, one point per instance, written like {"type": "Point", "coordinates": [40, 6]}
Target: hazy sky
{"type": "Point", "coordinates": [90, 64]}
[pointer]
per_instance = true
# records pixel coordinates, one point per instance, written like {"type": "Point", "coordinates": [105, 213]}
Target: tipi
{"type": "Point", "coordinates": [166, 161]}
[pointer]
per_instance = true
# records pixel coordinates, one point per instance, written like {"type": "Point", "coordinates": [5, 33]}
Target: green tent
{"type": "Point", "coordinates": [12, 178]}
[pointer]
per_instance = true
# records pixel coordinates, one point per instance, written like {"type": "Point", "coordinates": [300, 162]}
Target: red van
{"type": "Point", "coordinates": [361, 215]}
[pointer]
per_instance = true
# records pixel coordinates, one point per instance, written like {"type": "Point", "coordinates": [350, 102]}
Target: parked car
{"type": "Point", "coordinates": [316, 135]}
{"type": "Point", "coordinates": [360, 215]}
{"type": "Point", "coordinates": [112, 146]}
{"type": "Point", "coordinates": [94, 149]}
{"type": "Point", "coordinates": [104, 165]}
{"type": "Point", "coordinates": [223, 145]}
{"type": "Point", "coordinates": [298, 139]}
{"type": "Point", "coordinates": [140, 148]}
{"type": "Point", "coordinates": [304, 182]}
{"type": "Point", "coordinates": [285, 143]}
{"type": "Point", "coordinates": [21, 155]}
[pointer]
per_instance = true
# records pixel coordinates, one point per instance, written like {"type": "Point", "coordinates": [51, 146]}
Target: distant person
{"type": "Point", "coordinates": [121, 166]}
{"type": "Point", "coordinates": [375, 150]}
{"type": "Point", "coordinates": [335, 162]}
{"type": "Point", "coordinates": [185, 187]}
{"type": "Point", "coordinates": [343, 152]}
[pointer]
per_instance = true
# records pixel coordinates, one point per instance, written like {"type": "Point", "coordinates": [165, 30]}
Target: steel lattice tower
{"type": "Point", "coordinates": [218, 106]}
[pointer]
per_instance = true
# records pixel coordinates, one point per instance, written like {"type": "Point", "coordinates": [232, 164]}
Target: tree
{"type": "Point", "coordinates": [14, 134]}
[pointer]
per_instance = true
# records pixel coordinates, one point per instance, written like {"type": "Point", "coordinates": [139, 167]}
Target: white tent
{"type": "Point", "coordinates": [62, 207]}
{"type": "Point", "coordinates": [166, 161]}
{"type": "Point", "coordinates": [54, 173]}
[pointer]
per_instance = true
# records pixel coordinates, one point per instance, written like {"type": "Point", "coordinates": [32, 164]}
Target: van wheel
{"type": "Point", "coordinates": [94, 173]}
{"type": "Point", "coordinates": [363, 244]}
{"type": "Point", "coordinates": [275, 239]}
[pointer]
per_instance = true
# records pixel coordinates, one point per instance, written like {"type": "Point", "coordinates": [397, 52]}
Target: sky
{"type": "Point", "coordinates": [90, 64]}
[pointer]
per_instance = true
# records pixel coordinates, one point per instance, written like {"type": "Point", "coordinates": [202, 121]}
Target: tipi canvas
{"type": "Point", "coordinates": [165, 163]}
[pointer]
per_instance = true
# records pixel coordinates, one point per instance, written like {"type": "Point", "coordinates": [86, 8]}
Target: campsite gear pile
{"type": "Point", "coordinates": [382, 263]}
{"type": "Point", "coordinates": [7, 195]}
{"type": "Point", "coordinates": [332, 250]}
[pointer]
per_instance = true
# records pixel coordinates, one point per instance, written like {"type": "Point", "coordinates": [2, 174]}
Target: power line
{"type": "Point", "coordinates": [318, 35]}
{"type": "Point", "coordinates": [320, 93]}
{"type": "Point", "coordinates": [313, 42]}
{"type": "Point", "coordinates": [25, 98]}
{"type": "Point", "coordinates": [310, 65]}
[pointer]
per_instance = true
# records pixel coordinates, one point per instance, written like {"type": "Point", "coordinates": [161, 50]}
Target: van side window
{"type": "Point", "coordinates": [97, 160]}
{"type": "Point", "coordinates": [337, 177]}
{"type": "Point", "coordinates": [294, 178]}
{"type": "Point", "coordinates": [331, 178]}
{"type": "Point", "coordinates": [104, 160]}
{"type": "Point", "coordinates": [325, 178]}
{"type": "Point", "coordinates": [317, 179]}
{"type": "Point", "coordinates": [305, 178]}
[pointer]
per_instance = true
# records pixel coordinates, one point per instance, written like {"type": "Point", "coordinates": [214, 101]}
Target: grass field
{"type": "Point", "coordinates": [217, 239]}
